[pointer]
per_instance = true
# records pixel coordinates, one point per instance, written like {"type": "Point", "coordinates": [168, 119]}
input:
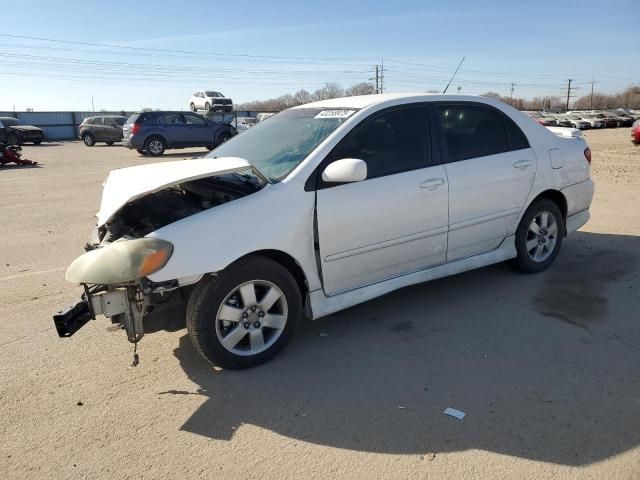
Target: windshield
{"type": "Point", "coordinates": [10, 122]}
{"type": "Point", "coordinates": [213, 94]}
{"type": "Point", "coordinates": [276, 146]}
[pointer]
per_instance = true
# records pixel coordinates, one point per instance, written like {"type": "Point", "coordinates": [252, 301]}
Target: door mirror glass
{"type": "Point", "coordinates": [346, 170]}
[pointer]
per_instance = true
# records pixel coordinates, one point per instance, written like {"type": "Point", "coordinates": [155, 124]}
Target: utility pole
{"type": "Point", "coordinates": [377, 79]}
{"type": "Point", "coordinates": [592, 82]}
{"type": "Point", "coordinates": [382, 76]}
{"type": "Point", "coordinates": [459, 88]}
{"type": "Point", "coordinates": [513, 86]}
{"type": "Point", "coordinates": [92, 107]}
{"type": "Point", "coordinates": [569, 91]}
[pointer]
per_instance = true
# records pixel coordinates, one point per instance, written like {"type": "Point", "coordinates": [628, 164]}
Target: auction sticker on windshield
{"type": "Point", "coordinates": [335, 114]}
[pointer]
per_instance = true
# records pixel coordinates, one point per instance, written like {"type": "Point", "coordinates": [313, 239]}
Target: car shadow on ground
{"type": "Point", "coordinates": [546, 367]}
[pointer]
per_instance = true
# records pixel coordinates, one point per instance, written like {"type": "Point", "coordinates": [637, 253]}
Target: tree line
{"type": "Point", "coordinates": [628, 98]}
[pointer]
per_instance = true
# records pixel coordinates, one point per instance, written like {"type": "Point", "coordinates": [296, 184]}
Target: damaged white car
{"type": "Point", "coordinates": [325, 206]}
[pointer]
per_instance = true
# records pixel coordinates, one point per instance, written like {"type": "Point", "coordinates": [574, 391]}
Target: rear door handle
{"type": "Point", "coordinates": [522, 164]}
{"type": "Point", "coordinates": [432, 183]}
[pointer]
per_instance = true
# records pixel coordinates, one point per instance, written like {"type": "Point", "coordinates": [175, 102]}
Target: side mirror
{"type": "Point", "coordinates": [346, 170]}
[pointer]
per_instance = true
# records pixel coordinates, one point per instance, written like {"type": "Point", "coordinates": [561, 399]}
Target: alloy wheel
{"type": "Point", "coordinates": [251, 318]}
{"type": "Point", "coordinates": [542, 236]}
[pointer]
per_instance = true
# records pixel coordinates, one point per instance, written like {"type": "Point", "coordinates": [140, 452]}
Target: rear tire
{"type": "Point", "coordinates": [109, 143]}
{"type": "Point", "coordinates": [223, 138]}
{"type": "Point", "coordinates": [235, 329]}
{"type": "Point", "coordinates": [155, 145]}
{"type": "Point", "coordinates": [37, 142]}
{"type": "Point", "coordinates": [192, 107]}
{"type": "Point", "coordinates": [88, 140]}
{"type": "Point", "coordinates": [539, 236]}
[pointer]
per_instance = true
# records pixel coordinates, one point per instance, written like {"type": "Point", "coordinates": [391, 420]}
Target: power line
{"type": "Point", "coordinates": [166, 50]}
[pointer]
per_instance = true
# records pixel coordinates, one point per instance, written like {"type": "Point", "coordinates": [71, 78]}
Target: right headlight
{"type": "Point", "coordinates": [121, 262]}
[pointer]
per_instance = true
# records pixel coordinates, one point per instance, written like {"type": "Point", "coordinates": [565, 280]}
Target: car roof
{"type": "Point", "coordinates": [363, 101]}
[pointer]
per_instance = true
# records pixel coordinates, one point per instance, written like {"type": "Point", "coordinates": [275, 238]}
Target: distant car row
{"type": "Point", "coordinates": [586, 119]}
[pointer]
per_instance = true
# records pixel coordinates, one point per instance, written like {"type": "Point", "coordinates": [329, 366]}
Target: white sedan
{"type": "Point", "coordinates": [325, 206]}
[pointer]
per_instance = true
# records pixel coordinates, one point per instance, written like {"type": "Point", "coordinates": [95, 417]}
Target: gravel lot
{"type": "Point", "coordinates": [547, 367]}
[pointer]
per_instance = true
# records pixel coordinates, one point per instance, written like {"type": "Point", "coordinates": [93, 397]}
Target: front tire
{"type": "Point", "coordinates": [207, 106]}
{"type": "Point", "coordinates": [88, 140]}
{"type": "Point", "coordinates": [246, 314]}
{"type": "Point", "coordinates": [13, 139]}
{"type": "Point", "coordinates": [37, 142]}
{"type": "Point", "coordinates": [155, 146]}
{"type": "Point", "coordinates": [539, 236]}
{"type": "Point", "coordinates": [110, 143]}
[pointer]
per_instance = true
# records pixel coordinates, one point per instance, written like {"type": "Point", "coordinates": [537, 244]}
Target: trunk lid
{"type": "Point", "coordinates": [127, 184]}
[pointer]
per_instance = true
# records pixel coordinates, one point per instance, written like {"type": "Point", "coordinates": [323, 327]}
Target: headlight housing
{"type": "Point", "coordinates": [121, 262]}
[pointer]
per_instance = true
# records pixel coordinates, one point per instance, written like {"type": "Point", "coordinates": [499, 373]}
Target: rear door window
{"type": "Point", "coordinates": [194, 119]}
{"type": "Point", "coordinates": [172, 119]}
{"type": "Point", "coordinates": [472, 131]}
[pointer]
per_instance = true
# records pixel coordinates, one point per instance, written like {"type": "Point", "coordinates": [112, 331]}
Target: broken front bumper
{"type": "Point", "coordinates": [124, 305]}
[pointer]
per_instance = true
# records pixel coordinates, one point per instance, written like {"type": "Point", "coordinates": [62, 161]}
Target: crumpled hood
{"type": "Point", "coordinates": [126, 184]}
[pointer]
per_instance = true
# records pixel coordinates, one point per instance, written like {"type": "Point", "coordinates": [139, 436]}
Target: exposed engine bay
{"type": "Point", "coordinates": [158, 209]}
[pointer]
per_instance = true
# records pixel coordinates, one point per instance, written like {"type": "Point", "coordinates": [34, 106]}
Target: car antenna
{"type": "Point", "coordinates": [454, 74]}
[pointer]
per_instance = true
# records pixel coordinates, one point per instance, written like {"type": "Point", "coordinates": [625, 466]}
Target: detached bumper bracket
{"type": "Point", "coordinates": [72, 319]}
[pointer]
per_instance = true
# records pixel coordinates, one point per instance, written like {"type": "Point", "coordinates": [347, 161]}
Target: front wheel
{"type": "Point", "coordinates": [539, 236]}
{"type": "Point", "coordinates": [207, 106]}
{"type": "Point", "coordinates": [13, 139]}
{"type": "Point", "coordinates": [37, 142]}
{"type": "Point", "coordinates": [246, 314]}
{"type": "Point", "coordinates": [110, 143]}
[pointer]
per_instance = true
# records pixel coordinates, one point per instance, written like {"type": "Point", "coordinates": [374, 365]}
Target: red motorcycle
{"type": "Point", "coordinates": [13, 154]}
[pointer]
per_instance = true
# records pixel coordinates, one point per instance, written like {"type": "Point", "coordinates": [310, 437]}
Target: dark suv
{"type": "Point", "coordinates": [104, 128]}
{"type": "Point", "coordinates": [153, 132]}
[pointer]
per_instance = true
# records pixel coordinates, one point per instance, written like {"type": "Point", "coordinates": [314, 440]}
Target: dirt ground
{"type": "Point", "coordinates": [546, 367]}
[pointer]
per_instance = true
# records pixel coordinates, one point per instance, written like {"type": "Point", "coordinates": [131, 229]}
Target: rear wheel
{"type": "Point", "coordinates": [192, 107]}
{"type": "Point", "coordinates": [223, 138]}
{"type": "Point", "coordinates": [244, 315]}
{"type": "Point", "coordinates": [37, 142]}
{"type": "Point", "coordinates": [155, 146]}
{"type": "Point", "coordinates": [539, 236]}
{"type": "Point", "coordinates": [110, 143]}
{"type": "Point", "coordinates": [88, 140]}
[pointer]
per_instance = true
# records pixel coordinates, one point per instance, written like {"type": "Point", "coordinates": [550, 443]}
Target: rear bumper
{"type": "Point", "coordinates": [574, 222]}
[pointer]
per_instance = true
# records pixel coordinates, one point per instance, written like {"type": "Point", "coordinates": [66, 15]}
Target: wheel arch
{"type": "Point", "coordinates": [287, 261]}
{"type": "Point", "coordinates": [558, 198]}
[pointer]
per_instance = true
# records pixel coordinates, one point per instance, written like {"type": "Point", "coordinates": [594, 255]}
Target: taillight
{"type": "Point", "coordinates": [587, 154]}
{"type": "Point", "coordinates": [135, 128]}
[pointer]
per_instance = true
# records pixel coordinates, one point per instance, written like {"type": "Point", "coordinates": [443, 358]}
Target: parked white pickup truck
{"type": "Point", "coordinates": [325, 206]}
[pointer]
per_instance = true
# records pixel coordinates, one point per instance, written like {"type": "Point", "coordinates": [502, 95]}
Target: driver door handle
{"type": "Point", "coordinates": [432, 183]}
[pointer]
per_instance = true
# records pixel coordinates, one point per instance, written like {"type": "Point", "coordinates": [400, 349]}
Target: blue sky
{"type": "Point", "coordinates": [255, 50]}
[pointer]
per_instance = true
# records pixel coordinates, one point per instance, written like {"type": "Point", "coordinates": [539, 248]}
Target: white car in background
{"type": "Point", "coordinates": [325, 206]}
{"type": "Point", "coordinates": [593, 121]}
{"type": "Point", "coordinates": [210, 100]}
